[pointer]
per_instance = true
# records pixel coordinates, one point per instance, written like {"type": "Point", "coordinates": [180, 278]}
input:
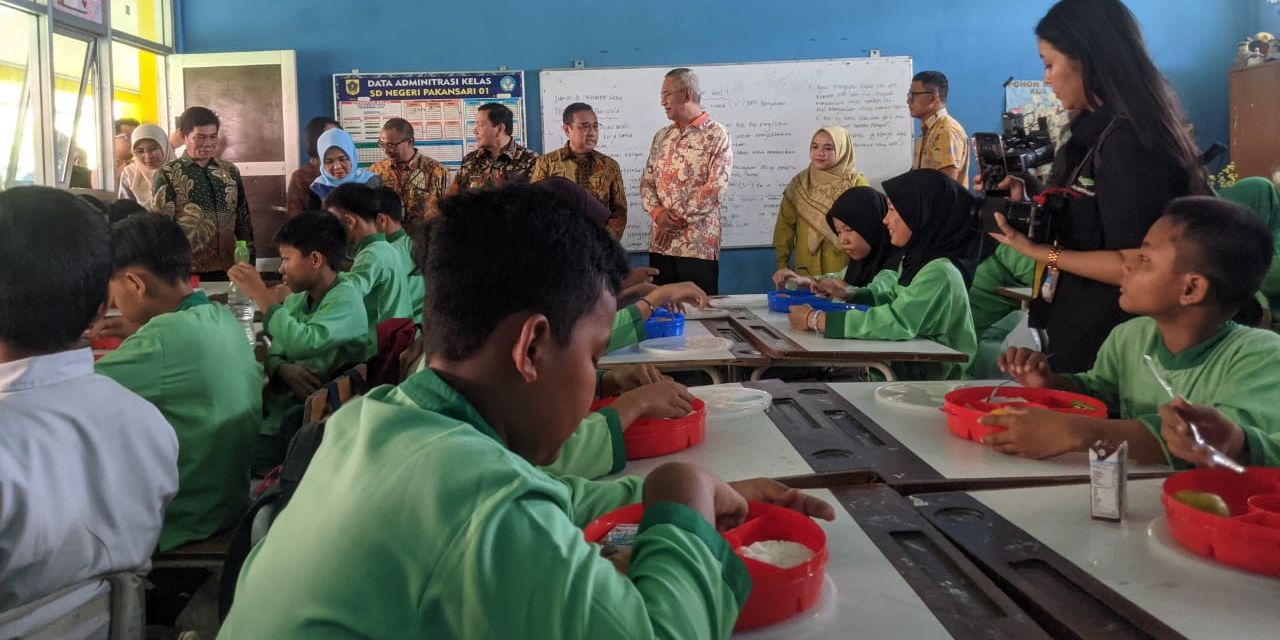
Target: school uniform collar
{"type": "Point", "coordinates": [1196, 354]}
{"type": "Point", "coordinates": [396, 236]}
{"type": "Point", "coordinates": [933, 119]}
{"type": "Point", "coordinates": [370, 239]}
{"type": "Point", "coordinates": [45, 370]}
{"type": "Point", "coordinates": [196, 299]}
{"type": "Point", "coordinates": [431, 393]}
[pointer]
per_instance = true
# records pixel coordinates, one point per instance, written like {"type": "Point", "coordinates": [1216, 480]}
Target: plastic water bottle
{"type": "Point", "coordinates": [242, 306]}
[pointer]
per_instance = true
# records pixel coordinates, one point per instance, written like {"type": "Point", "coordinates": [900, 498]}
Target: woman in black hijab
{"type": "Point", "coordinates": [928, 217]}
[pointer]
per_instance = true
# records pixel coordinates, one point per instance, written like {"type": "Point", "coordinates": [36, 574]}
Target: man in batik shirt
{"type": "Point", "coordinates": [579, 161]}
{"type": "Point", "coordinates": [419, 180]}
{"type": "Point", "coordinates": [683, 184]}
{"type": "Point", "coordinates": [205, 195]}
{"type": "Point", "coordinates": [497, 158]}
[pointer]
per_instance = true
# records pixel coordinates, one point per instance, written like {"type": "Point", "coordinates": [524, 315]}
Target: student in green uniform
{"type": "Point", "coordinates": [628, 323]}
{"type": "Point", "coordinates": [378, 273]}
{"type": "Point", "coordinates": [390, 222]}
{"type": "Point", "coordinates": [190, 359]}
{"type": "Point", "coordinates": [927, 296]}
{"type": "Point", "coordinates": [423, 514]}
{"type": "Point", "coordinates": [995, 316]}
{"type": "Point", "coordinates": [1196, 266]}
{"type": "Point", "coordinates": [1261, 197]}
{"type": "Point", "coordinates": [317, 331]}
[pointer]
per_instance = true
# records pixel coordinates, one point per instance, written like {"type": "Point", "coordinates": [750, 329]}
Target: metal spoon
{"type": "Point", "coordinates": [1216, 458]}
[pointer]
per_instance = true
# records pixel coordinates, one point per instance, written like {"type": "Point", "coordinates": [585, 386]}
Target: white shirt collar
{"type": "Point", "coordinates": [933, 119]}
{"type": "Point", "coordinates": [40, 371]}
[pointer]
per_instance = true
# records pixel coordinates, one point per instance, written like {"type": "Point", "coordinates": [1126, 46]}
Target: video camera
{"type": "Point", "coordinates": [1017, 150]}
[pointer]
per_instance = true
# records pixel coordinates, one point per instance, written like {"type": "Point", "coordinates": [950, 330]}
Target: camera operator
{"type": "Point", "coordinates": [1128, 155]}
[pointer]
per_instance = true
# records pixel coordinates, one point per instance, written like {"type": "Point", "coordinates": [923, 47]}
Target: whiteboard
{"type": "Point", "coordinates": [771, 110]}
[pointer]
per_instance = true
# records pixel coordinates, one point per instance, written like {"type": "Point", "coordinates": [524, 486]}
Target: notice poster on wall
{"type": "Point", "coordinates": [1034, 100]}
{"type": "Point", "coordinates": [440, 106]}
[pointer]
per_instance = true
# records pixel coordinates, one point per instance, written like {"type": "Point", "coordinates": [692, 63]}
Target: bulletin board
{"type": "Point", "coordinates": [440, 106]}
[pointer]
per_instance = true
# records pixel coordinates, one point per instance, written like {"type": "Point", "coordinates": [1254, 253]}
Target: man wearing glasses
{"type": "Point", "coordinates": [579, 161]}
{"type": "Point", "coordinates": [417, 179]}
{"type": "Point", "coordinates": [943, 144]}
{"type": "Point", "coordinates": [682, 186]}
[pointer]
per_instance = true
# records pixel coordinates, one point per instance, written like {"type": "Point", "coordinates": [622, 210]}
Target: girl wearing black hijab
{"type": "Point", "coordinates": [927, 296]}
{"type": "Point", "coordinates": [857, 220]}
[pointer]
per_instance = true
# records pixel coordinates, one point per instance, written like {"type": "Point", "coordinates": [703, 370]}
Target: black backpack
{"type": "Point", "coordinates": [302, 448]}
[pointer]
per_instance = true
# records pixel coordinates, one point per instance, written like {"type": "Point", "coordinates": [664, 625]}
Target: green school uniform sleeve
{"type": "Point", "coordinates": [934, 307]}
{"type": "Point", "coordinates": [532, 565]}
{"type": "Point", "coordinates": [900, 312]}
{"type": "Point", "coordinates": [340, 318]}
{"type": "Point", "coordinates": [1004, 268]}
{"type": "Point", "coordinates": [595, 450]}
{"type": "Point", "coordinates": [628, 329]}
{"type": "Point", "coordinates": [1240, 381]}
{"type": "Point", "coordinates": [590, 499]}
{"type": "Point", "coordinates": [882, 289]}
{"type": "Point", "coordinates": [1263, 446]}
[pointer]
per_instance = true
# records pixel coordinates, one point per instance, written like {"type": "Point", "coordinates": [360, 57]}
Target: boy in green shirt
{"type": "Point", "coordinates": [316, 332]}
{"type": "Point", "coordinates": [1196, 266]}
{"type": "Point", "coordinates": [378, 273]}
{"type": "Point", "coordinates": [423, 514]}
{"type": "Point", "coordinates": [190, 359]}
{"type": "Point", "coordinates": [390, 222]}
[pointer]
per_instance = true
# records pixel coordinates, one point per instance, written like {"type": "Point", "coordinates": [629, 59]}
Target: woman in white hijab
{"type": "Point", "coordinates": [151, 150]}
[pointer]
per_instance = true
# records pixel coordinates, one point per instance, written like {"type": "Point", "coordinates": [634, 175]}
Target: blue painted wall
{"type": "Point", "coordinates": [977, 43]}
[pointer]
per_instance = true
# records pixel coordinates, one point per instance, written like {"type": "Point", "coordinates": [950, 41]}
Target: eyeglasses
{"type": "Point", "coordinates": [911, 95]}
{"type": "Point", "coordinates": [392, 145]}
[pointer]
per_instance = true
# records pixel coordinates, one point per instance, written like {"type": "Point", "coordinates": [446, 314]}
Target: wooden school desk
{"type": "Point", "coordinates": [771, 332]}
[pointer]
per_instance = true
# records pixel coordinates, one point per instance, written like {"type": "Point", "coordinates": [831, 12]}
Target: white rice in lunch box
{"type": "Point", "coordinates": [779, 553]}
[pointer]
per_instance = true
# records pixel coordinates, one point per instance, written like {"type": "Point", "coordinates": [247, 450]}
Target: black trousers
{"type": "Point", "coordinates": [671, 269]}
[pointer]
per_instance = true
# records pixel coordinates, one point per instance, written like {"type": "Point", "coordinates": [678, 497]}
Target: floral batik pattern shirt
{"type": "Point", "coordinates": [481, 169]}
{"type": "Point", "coordinates": [210, 206]}
{"type": "Point", "coordinates": [599, 174]}
{"type": "Point", "coordinates": [687, 174]}
{"type": "Point", "coordinates": [420, 182]}
{"type": "Point", "coordinates": [942, 143]}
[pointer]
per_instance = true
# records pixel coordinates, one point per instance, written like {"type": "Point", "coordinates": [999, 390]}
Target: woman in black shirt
{"type": "Point", "coordinates": [1128, 154]}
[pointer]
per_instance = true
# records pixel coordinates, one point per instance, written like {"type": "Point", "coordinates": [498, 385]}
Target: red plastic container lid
{"type": "Point", "coordinates": [964, 407]}
{"type": "Point", "coordinates": [650, 437]}
{"type": "Point", "coordinates": [1249, 539]}
{"type": "Point", "coordinates": [776, 593]}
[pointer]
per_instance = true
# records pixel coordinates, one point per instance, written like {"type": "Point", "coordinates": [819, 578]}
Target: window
{"type": "Point", "coordinates": [68, 70]}
{"type": "Point", "coordinates": [146, 19]}
{"type": "Point", "coordinates": [19, 100]}
{"type": "Point", "coordinates": [138, 76]}
{"type": "Point", "coordinates": [76, 126]}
